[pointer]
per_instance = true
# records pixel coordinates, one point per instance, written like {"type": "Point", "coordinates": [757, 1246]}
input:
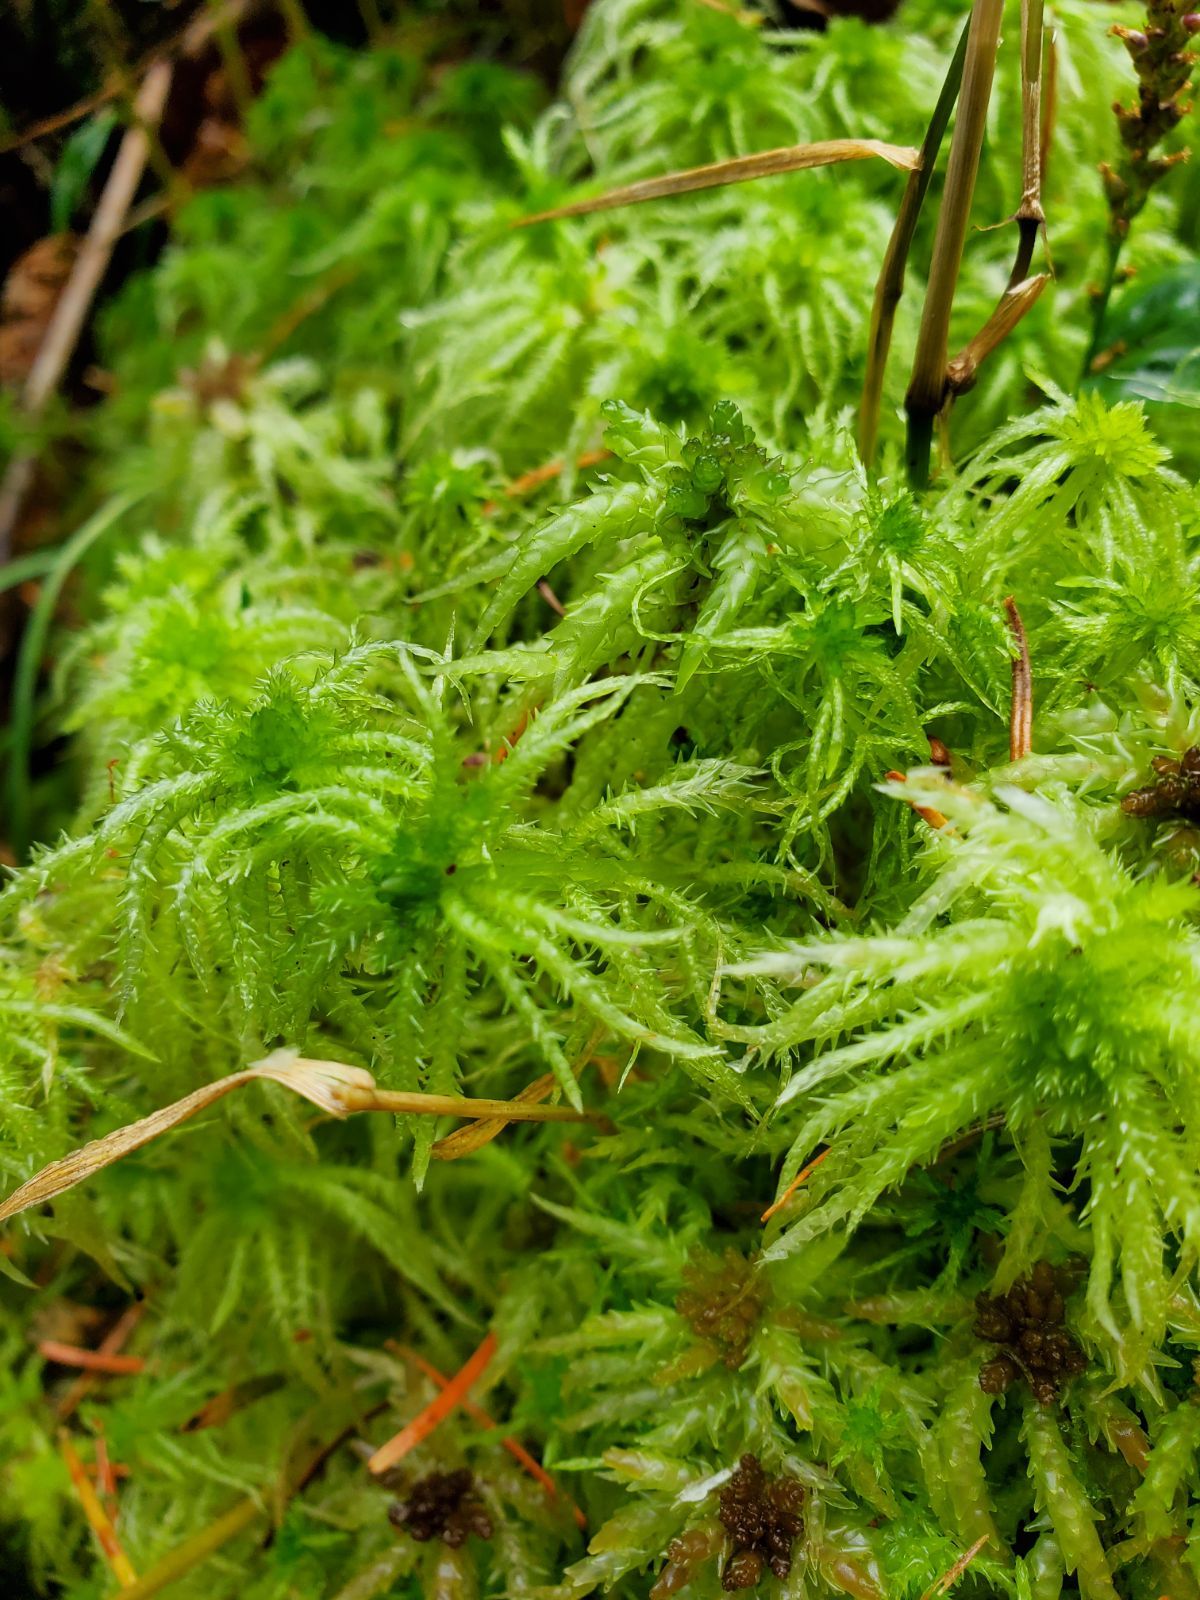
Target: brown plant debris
{"type": "Point", "coordinates": [1163, 63]}
{"type": "Point", "coordinates": [723, 1302]}
{"type": "Point", "coordinates": [763, 1516]}
{"type": "Point", "coordinates": [445, 1506]}
{"type": "Point", "coordinates": [27, 301]}
{"type": "Point", "coordinates": [1176, 793]}
{"type": "Point", "coordinates": [1028, 1323]}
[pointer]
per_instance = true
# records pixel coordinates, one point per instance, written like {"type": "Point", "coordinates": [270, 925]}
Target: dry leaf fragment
{"type": "Point", "coordinates": [740, 169]}
{"type": "Point", "coordinates": [329, 1084]}
{"type": "Point", "coordinates": [333, 1086]}
{"type": "Point", "coordinates": [465, 1141]}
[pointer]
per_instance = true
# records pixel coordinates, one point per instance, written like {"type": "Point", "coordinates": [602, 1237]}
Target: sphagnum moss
{"type": "Point", "coordinates": [878, 1272]}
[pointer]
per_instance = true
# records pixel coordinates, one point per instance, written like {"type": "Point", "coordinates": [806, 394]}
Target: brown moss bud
{"type": "Point", "coordinates": [1028, 1323]}
{"type": "Point", "coordinates": [445, 1506]}
{"type": "Point", "coordinates": [763, 1517]}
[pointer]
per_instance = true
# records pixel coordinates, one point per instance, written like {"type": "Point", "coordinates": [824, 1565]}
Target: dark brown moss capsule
{"type": "Point", "coordinates": [763, 1517]}
{"type": "Point", "coordinates": [445, 1506]}
{"type": "Point", "coordinates": [1175, 794]}
{"type": "Point", "coordinates": [1028, 1323]}
{"type": "Point", "coordinates": [723, 1300]}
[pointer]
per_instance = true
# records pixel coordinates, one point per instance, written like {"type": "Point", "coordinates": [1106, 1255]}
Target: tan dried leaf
{"type": "Point", "coordinates": [334, 1087]}
{"type": "Point", "coordinates": [465, 1141]}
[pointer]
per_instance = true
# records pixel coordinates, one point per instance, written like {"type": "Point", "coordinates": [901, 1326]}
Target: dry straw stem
{"type": "Point", "coordinates": [1029, 215]}
{"type": "Point", "coordinates": [71, 1355]}
{"type": "Point", "coordinates": [1020, 726]}
{"type": "Point", "coordinates": [927, 387]}
{"type": "Point", "coordinates": [193, 1551]}
{"type": "Point", "coordinates": [336, 1088]}
{"type": "Point", "coordinates": [890, 285]}
{"type": "Point", "coordinates": [740, 169]}
{"type": "Point", "coordinates": [187, 41]}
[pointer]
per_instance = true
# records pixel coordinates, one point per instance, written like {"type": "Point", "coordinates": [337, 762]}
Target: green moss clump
{"type": "Point", "coordinates": [507, 680]}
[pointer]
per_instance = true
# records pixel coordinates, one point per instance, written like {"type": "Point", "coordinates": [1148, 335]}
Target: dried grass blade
{"type": "Point", "coordinates": [327, 1084]}
{"type": "Point", "coordinates": [332, 1086]}
{"type": "Point", "coordinates": [70, 1355]}
{"type": "Point", "coordinates": [438, 1409]}
{"type": "Point", "coordinates": [97, 1517]}
{"type": "Point", "coordinates": [739, 169]}
{"type": "Point", "coordinates": [949, 1578]}
{"type": "Point", "coordinates": [113, 1341]}
{"type": "Point", "coordinates": [192, 1551]}
{"type": "Point", "coordinates": [465, 1141]}
{"type": "Point", "coordinates": [1015, 302]}
{"type": "Point", "coordinates": [801, 1177]}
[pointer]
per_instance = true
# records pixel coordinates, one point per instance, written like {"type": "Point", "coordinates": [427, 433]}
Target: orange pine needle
{"type": "Point", "coordinates": [436, 1412]}
{"type": "Point", "coordinates": [800, 1177]}
{"type": "Point", "coordinates": [477, 1414]}
{"type": "Point", "coordinates": [97, 1517]}
{"type": "Point", "coordinates": [928, 814]}
{"type": "Point", "coordinates": [948, 1579]}
{"type": "Point", "coordinates": [112, 1342]}
{"type": "Point", "coordinates": [72, 1355]}
{"type": "Point", "coordinates": [106, 1478]}
{"type": "Point", "coordinates": [529, 481]}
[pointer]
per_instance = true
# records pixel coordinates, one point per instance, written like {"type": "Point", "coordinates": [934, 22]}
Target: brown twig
{"type": "Point", "coordinates": [113, 1341]}
{"type": "Point", "coordinates": [1020, 725]}
{"type": "Point", "coordinates": [71, 311]}
{"type": "Point", "coordinates": [102, 1361]}
{"type": "Point", "coordinates": [927, 386]}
